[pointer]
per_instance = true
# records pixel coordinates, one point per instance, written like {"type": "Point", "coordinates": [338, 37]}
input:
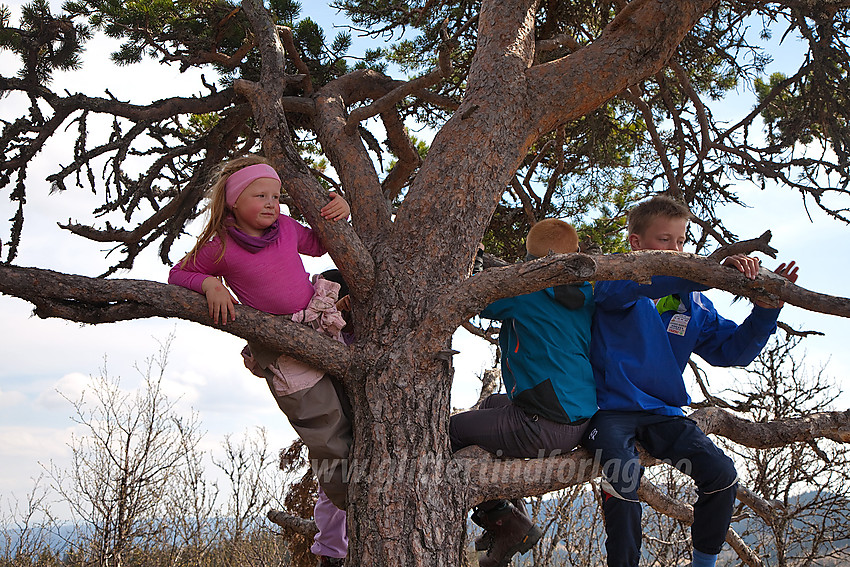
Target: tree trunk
{"type": "Point", "coordinates": [405, 501]}
{"type": "Point", "coordinates": [407, 497]}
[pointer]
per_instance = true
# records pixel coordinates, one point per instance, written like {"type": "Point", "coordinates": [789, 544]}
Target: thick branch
{"type": "Point", "coordinates": [472, 295]}
{"type": "Point", "coordinates": [156, 111]}
{"type": "Point", "coordinates": [369, 208]}
{"type": "Point", "coordinates": [437, 100]}
{"type": "Point", "coordinates": [294, 524]}
{"type": "Point", "coordinates": [94, 300]}
{"type": "Point", "coordinates": [402, 147]}
{"type": "Point", "coordinates": [489, 477]}
{"type": "Point", "coordinates": [635, 45]}
{"type": "Point", "coordinates": [494, 478]}
{"type": "Point", "coordinates": [388, 101]}
{"type": "Point", "coordinates": [268, 40]}
{"type": "Point", "coordinates": [833, 425]}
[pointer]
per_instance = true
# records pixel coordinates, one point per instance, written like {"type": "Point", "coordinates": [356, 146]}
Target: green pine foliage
{"type": "Point", "coordinates": [660, 135]}
{"type": "Point", "coordinates": [43, 42]}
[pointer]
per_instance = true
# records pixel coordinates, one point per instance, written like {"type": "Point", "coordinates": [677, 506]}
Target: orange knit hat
{"type": "Point", "coordinates": [551, 235]}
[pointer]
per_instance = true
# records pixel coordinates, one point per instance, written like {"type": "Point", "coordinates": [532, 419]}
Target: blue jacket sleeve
{"type": "Point", "coordinates": [619, 294]}
{"type": "Point", "coordinates": [500, 309]}
{"type": "Point", "coordinates": [723, 343]}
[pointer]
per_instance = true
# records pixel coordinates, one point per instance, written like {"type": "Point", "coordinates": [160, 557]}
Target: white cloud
{"type": "Point", "coordinates": [67, 389]}
{"type": "Point", "coordinates": [27, 443]}
{"type": "Point", "coordinates": [11, 398]}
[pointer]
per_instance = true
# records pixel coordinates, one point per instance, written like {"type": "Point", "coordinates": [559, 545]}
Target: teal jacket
{"type": "Point", "coordinates": [545, 344]}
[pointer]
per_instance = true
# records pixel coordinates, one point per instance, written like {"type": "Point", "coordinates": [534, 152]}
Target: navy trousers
{"type": "Point", "coordinates": [673, 439]}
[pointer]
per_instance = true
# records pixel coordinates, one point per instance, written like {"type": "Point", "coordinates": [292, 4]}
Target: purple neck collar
{"type": "Point", "coordinates": [254, 244]}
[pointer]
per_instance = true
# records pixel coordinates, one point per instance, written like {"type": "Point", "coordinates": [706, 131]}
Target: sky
{"type": "Point", "coordinates": [48, 362]}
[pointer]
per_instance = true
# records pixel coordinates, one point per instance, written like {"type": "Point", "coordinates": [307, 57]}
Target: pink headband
{"type": "Point", "coordinates": [240, 179]}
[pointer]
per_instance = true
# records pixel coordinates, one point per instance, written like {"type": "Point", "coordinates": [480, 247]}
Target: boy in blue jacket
{"type": "Point", "coordinates": [545, 341]}
{"type": "Point", "coordinates": [643, 336]}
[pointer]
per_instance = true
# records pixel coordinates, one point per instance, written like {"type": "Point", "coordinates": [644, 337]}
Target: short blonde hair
{"type": "Point", "coordinates": [552, 235]}
{"type": "Point", "coordinates": [642, 214]}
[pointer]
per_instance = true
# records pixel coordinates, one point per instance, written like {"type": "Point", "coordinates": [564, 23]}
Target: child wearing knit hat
{"type": "Point", "coordinates": [551, 235]}
{"type": "Point", "coordinates": [544, 340]}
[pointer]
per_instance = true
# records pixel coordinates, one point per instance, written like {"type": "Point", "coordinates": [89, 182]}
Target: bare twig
{"type": "Point", "coordinates": [760, 244]}
{"type": "Point", "coordinates": [795, 333]}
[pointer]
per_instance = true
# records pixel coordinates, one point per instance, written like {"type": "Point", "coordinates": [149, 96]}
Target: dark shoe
{"type": "Point", "coordinates": [484, 541]}
{"type": "Point", "coordinates": [512, 533]}
{"type": "Point", "coordinates": [482, 518]}
{"type": "Point", "coordinates": [325, 561]}
{"type": "Point", "coordinates": [481, 515]}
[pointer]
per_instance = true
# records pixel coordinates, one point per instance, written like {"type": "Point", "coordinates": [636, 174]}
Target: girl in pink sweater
{"type": "Point", "coordinates": [255, 249]}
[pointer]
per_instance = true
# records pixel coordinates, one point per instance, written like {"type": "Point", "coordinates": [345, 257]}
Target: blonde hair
{"type": "Point", "coordinates": [551, 234]}
{"type": "Point", "coordinates": [217, 209]}
{"type": "Point", "coordinates": [642, 214]}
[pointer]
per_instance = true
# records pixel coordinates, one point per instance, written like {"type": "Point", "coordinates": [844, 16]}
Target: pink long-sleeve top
{"type": "Point", "coordinates": [272, 280]}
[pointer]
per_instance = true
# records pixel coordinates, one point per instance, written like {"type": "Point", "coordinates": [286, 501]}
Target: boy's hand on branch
{"type": "Point", "coordinates": [336, 209]}
{"type": "Point", "coordinates": [788, 272]}
{"type": "Point", "coordinates": [219, 300]}
{"type": "Point", "coordinates": [747, 265]}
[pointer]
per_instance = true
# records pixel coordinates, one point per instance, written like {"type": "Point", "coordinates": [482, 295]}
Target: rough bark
{"type": "Point", "coordinates": [489, 477]}
{"type": "Point", "coordinates": [96, 300]}
{"type": "Point", "coordinates": [408, 275]}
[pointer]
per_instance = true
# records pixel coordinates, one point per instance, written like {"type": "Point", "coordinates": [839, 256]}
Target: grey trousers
{"type": "Point", "coordinates": [502, 428]}
{"type": "Point", "coordinates": [320, 416]}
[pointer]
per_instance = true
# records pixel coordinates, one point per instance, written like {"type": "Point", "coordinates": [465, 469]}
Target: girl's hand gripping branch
{"type": "Point", "coordinates": [219, 300]}
{"type": "Point", "coordinates": [336, 209]}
